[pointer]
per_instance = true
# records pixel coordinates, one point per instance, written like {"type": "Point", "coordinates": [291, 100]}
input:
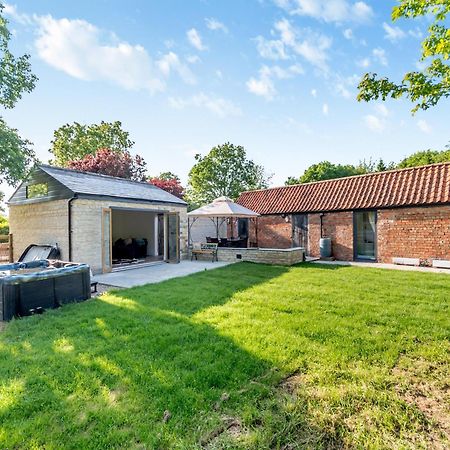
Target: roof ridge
{"type": "Point", "coordinates": [66, 169]}
{"type": "Point", "coordinates": [403, 169]}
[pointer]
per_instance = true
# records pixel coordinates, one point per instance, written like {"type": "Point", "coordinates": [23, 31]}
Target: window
{"type": "Point", "coordinates": [37, 190]}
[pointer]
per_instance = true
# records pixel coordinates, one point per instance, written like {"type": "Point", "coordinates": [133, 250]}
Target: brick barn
{"type": "Point", "coordinates": [379, 217]}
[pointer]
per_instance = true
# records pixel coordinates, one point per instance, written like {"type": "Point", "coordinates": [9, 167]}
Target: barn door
{"type": "Point", "coordinates": [106, 240]}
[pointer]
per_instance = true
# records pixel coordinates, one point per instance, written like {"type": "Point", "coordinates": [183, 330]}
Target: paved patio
{"type": "Point", "coordinates": [155, 273]}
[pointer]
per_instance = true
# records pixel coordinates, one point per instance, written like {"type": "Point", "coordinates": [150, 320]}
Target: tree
{"type": "Point", "coordinates": [15, 73]}
{"type": "Point", "coordinates": [326, 170]}
{"type": "Point", "coordinates": [73, 142]}
{"type": "Point", "coordinates": [224, 171]}
{"type": "Point", "coordinates": [424, 88]}
{"type": "Point", "coordinates": [168, 182]}
{"type": "Point", "coordinates": [16, 154]}
{"type": "Point", "coordinates": [4, 225]}
{"type": "Point", "coordinates": [425, 157]}
{"type": "Point", "coordinates": [16, 78]}
{"type": "Point", "coordinates": [109, 162]}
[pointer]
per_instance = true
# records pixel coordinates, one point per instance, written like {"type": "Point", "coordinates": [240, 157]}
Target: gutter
{"type": "Point", "coordinates": [69, 224]}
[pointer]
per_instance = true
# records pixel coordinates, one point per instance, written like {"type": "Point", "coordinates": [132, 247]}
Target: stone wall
{"type": "Point", "coordinates": [422, 233]}
{"type": "Point", "coordinates": [39, 223]}
{"type": "Point", "coordinates": [87, 227]}
{"type": "Point", "coordinates": [285, 257]}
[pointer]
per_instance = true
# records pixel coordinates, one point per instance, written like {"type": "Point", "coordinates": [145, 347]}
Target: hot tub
{"type": "Point", "coordinates": [32, 287]}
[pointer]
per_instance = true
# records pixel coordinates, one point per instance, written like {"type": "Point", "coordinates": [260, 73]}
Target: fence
{"type": "Point", "coordinates": [6, 248]}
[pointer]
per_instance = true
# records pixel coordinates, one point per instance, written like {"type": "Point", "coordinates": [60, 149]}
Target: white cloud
{"type": "Point", "coordinates": [193, 59]}
{"type": "Point", "coordinates": [424, 126]}
{"type": "Point", "coordinates": [270, 49]}
{"type": "Point", "coordinates": [379, 55]}
{"type": "Point", "coordinates": [374, 123]}
{"type": "Point", "coordinates": [195, 39]}
{"type": "Point", "coordinates": [214, 25]}
{"type": "Point", "coordinates": [310, 45]}
{"type": "Point", "coordinates": [364, 63]}
{"type": "Point", "coordinates": [314, 92]}
{"type": "Point", "coordinates": [382, 110]}
{"type": "Point", "coordinates": [348, 33]}
{"type": "Point", "coordinates": [217, 105]}
{"type": "Point", "coordinates": [264, 85]}
{"type": "Point", "coordinates": [328, 10]}
{"type": "Point", "coordinates": [393, 33]}
{"type": "Point", "coordinates": [171, 63]}
{"type": "Point", "coordinates": [83, 51]}
{"type": "Point", "coordinates": [11, 11]}
{"type": "Point", "coordinates": [325, 109]}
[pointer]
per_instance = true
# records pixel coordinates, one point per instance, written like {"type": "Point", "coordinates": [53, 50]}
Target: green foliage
{"type": "Point", "coordinates": [72, 142]}
{"type": "Point", "coordinates": [424, 88]}
{"type": "Point", "coordinates": [16, 78]}
{"type": "Point", "coordinates": [4, 225]}
{"type": "Point", "coordinates": [15, 73]}
{"type": "Point", "coordinates": [16, 154]}
{"type": "Point", "coordinates": [326, 170]}
{"type": "Point", "coordinates": [358, 342]}
{"type": "Point", "coordinates": [425, 157]}
{"type": "Point", "coordinates": [167, 176]}
{"type": "Point", "coordinates": [224, 171]}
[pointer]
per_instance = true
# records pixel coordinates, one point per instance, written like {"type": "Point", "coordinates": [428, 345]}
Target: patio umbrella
{"type": "Point", "coordinates": [221, 208]}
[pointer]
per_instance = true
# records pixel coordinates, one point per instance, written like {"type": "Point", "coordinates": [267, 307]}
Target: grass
{"type": "Point", "coordinates": [246, 356]}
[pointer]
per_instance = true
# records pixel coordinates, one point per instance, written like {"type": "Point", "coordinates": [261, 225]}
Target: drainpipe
{"type": "Point", "coordinates": [321, 224]}
{"type": "Point", "coordinates": [69, 224]}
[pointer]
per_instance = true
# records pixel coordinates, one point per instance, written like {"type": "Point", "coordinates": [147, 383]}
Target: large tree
{"type": "Point", "coordinates": [224, 171]}
{"type": "Point", "coordinates": [425, 87]}
{"type": "Point", "coordinates": [425, 157]}
{"type": "Point", "coordinates": [326, 170]}
{"type": "Point", "coordinates": [16, 78]}
{"type": "Point", "coordinates": [108, 162]}
{"type": "Point", "coordinates": [16, 154]}
{"type": "Point", "coordinates": [169, 182]}
{"type": "Point", "coordinates": [74, 141]}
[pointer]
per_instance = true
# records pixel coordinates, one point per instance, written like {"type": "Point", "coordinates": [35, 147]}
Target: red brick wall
{"type": "Point", "coordinates": [337, 226]}
{"type": "Point", "coordinates": [421, 232]}
{"type": "Point", "coordinates": [274, 232]}
{"type": "Point", "coordinates": [414, 233]}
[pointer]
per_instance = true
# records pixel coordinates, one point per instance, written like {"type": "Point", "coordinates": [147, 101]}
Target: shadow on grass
{"type": "Point", "coordinates": [102, 374]}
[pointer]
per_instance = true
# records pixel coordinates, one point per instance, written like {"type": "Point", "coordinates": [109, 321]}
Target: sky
{"type": "Point", "coordinates": [278, 77]}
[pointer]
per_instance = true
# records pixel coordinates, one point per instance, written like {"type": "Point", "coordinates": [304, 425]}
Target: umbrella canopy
{"type": "Point", "coordinates": [223, 207]}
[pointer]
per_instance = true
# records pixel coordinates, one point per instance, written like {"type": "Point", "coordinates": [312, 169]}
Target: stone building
{"type": "Point", "coordinates": [103, 221]}
{"type": "Point", "coordinates": [384, 217]}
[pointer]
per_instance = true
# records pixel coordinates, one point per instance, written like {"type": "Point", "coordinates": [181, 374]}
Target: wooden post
{"type": "Point", "coordinates": [11, 250]}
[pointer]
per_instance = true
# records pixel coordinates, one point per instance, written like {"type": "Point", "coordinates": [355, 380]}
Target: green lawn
{"type": "Point", "coordinates": [246, 356]}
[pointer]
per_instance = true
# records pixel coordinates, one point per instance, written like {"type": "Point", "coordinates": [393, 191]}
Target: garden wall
{"type": "Point", "coordinates": [284, 257]}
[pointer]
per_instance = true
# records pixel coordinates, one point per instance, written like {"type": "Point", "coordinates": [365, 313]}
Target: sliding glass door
{"type": "Point", "coordinates": [365, 234]}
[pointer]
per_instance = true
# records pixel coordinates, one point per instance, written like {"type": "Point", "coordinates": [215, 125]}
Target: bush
{"type": "Point", "coordinates": [4, 226]}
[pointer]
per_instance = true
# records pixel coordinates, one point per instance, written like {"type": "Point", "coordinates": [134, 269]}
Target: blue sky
{"type": "Point", "coordinates": [276, 76]}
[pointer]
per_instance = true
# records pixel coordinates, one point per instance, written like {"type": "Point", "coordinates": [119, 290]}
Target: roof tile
{"type": "Point", "coordinates": [423, 185]}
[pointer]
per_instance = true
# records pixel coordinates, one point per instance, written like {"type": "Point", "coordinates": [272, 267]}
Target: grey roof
{"type": "Point", "coordinates": [86, 183]}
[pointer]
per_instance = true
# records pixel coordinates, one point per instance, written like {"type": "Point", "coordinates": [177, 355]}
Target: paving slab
{"type": "Point", "coordinates": [155, 273]}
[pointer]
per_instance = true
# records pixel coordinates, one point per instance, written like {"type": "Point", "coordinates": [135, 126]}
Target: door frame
{"type": "Point", "coordinates": [355, 237]}
{"type": "Point", "coordinates": [167, 237]}
{"type": "Point", "coordinates": [106, 268]}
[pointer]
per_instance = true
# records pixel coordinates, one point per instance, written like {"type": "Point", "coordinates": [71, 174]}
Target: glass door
{"type": "Point", "coordinates": [365, 234]}
{"type": "Point", "coordinates": [173, 238]}
{"type": "Point", "coordinates": [106, 240]}
{"type": "Point", "coordinates": [300, 230]}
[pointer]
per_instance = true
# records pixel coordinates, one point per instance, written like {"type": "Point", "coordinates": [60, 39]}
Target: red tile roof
{"type": "Point", "coordinates": [425, 185]}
